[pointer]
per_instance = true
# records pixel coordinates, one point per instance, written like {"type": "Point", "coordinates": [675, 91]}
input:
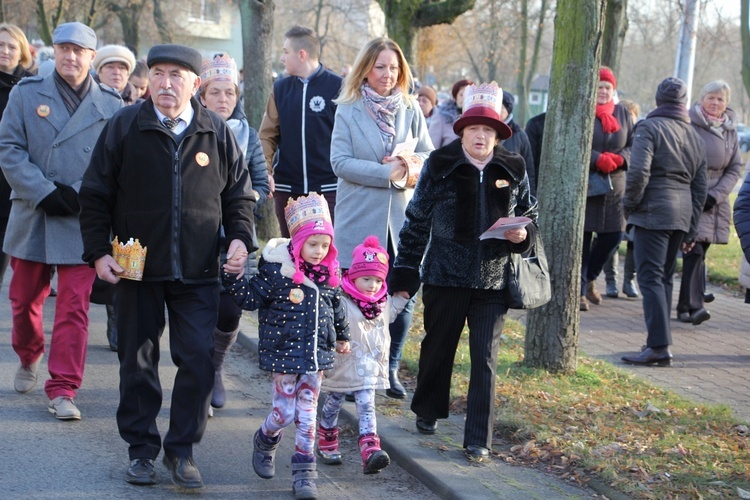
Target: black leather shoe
{"type": "Point", "coordinates": [185, 473]}
{"type": "Point", "coordinates": [651, 356]}
{"type": "Point", "coordinates": [700, 316]}
{"type": "Point", "coordinates": [477, 453]}
{"type": "Point", "coordinates": [396, 390]}
{"type": "Point", "coordinates": [141, 471]}
{"type": "Point", "coordinates": [684, 317]}
{"type": "Point", "coordinates": [708, 297]}
{"type": "Point", "coordinates": [426, 425]}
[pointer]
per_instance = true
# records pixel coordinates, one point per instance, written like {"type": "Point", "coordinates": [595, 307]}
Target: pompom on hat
{"type": "Point", "coordinates": [114, 53]}
{"type": "Point", "coordinates": [221, 68]}
{"type": "Point", "coordinates": [482, 107]}
{"type": "Point", "coordinates": [369, 259]}
{"type": "Point", "coordinates": [308, 216]}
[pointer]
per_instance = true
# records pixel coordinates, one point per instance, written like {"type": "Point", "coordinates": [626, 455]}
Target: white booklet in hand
{"type": "Point", "coordinates": [503, 224]}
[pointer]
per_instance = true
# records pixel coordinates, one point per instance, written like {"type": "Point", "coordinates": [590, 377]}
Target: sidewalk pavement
{"type": "Point", "coordinates": [711, 365]}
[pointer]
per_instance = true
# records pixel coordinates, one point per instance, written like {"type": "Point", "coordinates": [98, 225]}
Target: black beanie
{"type": "Point", "coordinates": [508, 101]}
{"type": "Point", "coordinates": [671, 91]}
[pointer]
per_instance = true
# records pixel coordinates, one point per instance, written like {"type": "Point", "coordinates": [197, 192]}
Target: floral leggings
{"type": "Point", "coordinates": [365, 400]}
{"type": "Point", "coordinates": [295, 398]}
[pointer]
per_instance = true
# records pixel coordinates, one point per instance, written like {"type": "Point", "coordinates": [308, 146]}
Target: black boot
{"type": "Point", "coordinates": [396, 390]}
{"type": "Point", "coordinates": [222, 342]}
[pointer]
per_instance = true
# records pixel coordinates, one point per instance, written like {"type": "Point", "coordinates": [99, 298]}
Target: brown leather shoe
{"type": "Point", "coordinates": [584, 303]}
{"type": "Point", "coordinates": [592, 293]}
{"type": "Point", "coordinates": [659, 356]}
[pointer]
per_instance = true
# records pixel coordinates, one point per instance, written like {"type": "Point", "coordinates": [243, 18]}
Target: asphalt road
{"type": "Point", "coordinates": [43, 458]}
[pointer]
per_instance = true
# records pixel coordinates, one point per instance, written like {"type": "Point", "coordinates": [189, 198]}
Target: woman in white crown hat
{"type": "Point", "coordinates": [464, 188]}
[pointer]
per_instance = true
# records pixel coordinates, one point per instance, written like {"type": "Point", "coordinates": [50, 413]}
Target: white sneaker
{"type": "Point", "coordinates": [64, 408]}
{"type": "Point", "coordinates": [26, 376]}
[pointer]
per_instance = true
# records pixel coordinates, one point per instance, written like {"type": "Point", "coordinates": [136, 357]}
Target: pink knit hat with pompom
{"type": "Point", "coordinates": [307, 216]}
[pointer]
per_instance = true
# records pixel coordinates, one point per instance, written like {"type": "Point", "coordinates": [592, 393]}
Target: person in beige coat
{"type": "Point", "coordinates": [364, 369]}
{"type": "Point", "coordinates": [716, 124]}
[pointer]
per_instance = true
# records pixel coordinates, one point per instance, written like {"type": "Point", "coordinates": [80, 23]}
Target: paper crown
{"type": "Point", "coordinates": [304, 210]}
{"type": "Point", "coordinates": [220, 68]}
{"type": "Point", "coordinates": [482, 105]}
{"type": "Point", "coordinates": [486, 95]}
{"type": "Point", "coordinates": [130, 256]}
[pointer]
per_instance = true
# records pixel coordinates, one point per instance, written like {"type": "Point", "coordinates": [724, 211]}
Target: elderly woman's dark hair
{"type": "Point", "coordinates": [458, 86]}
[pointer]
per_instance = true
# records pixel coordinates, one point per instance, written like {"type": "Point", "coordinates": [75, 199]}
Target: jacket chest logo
{"type": "Point", "coordinates": [317, 104]}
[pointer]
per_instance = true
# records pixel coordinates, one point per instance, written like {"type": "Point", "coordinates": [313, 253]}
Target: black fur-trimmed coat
{"type": "Point", "coordinates": [453, 204]}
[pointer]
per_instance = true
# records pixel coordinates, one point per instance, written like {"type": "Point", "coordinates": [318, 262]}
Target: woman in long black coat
{"type": "Point", "coordinates": [15, 57]}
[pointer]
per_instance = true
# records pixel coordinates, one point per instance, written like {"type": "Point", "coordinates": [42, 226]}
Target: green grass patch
{"type": "Point", "coordinates": [604, 423]}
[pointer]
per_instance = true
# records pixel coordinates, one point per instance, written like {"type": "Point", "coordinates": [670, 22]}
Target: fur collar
{"type": "Point", "coordinates": [277, 251]}
{"type": "Point", "coordinates": [444, 160]}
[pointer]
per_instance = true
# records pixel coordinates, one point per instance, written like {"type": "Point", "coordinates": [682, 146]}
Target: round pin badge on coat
{"type": "Point", "coordinates": [296, 295]}
{"type": "Point", "coordinates": [43, 110]}
{"type": "Point", "coordinates": [202, 159]}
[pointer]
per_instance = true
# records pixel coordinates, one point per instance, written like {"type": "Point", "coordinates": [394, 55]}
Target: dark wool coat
{"type": "Point", "coordinates": [724, 166]}
{"type": "Point", "coordinates": [604, 213]}
{"type": "Point", "coordinates": [666, 186]}
{"type": "Point", "coordinates": [299, 324]}
{"type": "Point", "coordinates": [173, 195]}
{"type": "Point", "coordinates": [742, 217]}
{"type": "Point", "coordinates": [519, 143]}
{"type": "Point", "coordinates": [7, 81]}
{"type": "Point", "coordinates": [453, 204]}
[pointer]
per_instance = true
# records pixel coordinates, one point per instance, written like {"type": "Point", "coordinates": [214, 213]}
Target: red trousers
{"type": "Point", "coordinates": [29, 287]}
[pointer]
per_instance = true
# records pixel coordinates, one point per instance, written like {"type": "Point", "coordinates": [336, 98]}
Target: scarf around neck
{"type": "Point", "coordinates": [670, 110]}
{"type": "Point", "coordinates": [370, 306]}
{"type": "Point", "coordinates": [604, 112]}
{"type": "Point", "coordinates": [712, 121]}
{"type": "Point", "coordinates": [383, 110]}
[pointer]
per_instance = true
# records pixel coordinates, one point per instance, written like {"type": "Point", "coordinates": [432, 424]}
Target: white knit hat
{"type": "Point", "coordinates": [114, 53]}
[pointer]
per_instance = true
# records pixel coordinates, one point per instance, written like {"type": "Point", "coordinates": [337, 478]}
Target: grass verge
{"type": "Point", "coordinates": [607, 424]}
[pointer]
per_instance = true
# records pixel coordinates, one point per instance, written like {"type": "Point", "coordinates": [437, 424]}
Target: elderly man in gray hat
{"type": "Point", "coordinates": [168, 173]}
{"type": "Point", "coordinates": [47, 134]}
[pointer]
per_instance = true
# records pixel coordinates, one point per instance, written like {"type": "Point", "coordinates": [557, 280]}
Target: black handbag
{"type": "Point", "coordinates": [599, 184]}
{"type": "Point", "coordinates": [528, 285]}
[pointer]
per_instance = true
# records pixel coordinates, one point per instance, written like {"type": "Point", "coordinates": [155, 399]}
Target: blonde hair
{"type": "Point", "coordinates": [364, 62]}
{"type": "Point", "coordinates": [18, 35]}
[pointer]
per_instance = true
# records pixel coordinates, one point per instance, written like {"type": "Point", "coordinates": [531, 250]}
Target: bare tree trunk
{"type": "Point", "coordinates": [91, 14]}
{"type": "Point", "coordinates": [524, 96]}
{"type": "Point", "coordinates": [257, 26]}
{"type": "Point", "coordinates": [615, 28]}
{"type": "Point", "coordinates": [552, 330]}
{"type": "Point", "coordinates": [519, 111]}
{"type": "Point", "coordinates": [162, 26]}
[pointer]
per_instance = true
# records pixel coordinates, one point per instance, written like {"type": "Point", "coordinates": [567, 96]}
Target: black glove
{"type": "Point", "coordinates": [54, 204]}
{"type": "Point", "coordinates": [710, 203]}
{"type": "Point", "coordinates": [70, 196]}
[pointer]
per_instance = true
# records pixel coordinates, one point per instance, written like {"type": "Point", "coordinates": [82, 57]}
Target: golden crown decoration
{"type": "Point", "coordinates": [131, 257]}
{"type": "Point", "coordinates": [221, 68]}
{"type": "Point", "coordinates": [487, 95]}
{"type": "Point", "coordinates": [304, 210]}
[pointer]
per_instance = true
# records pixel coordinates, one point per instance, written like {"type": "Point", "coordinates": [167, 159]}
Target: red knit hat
{"type": "Point", "coordinates": [369, 259]}
{"type": "Point", "coordinates": [606, 75]}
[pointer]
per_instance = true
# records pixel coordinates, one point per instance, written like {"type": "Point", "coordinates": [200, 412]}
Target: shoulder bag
{"type": "Point", "coordinates": [528, 285]}
{"type": "Point", "coordinates": [599, 184]}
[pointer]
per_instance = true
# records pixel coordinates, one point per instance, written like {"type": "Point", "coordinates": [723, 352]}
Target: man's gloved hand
{"type": "Point", "coordinates": [605, 163]}
{"type": "Point", "coordinates": [61, 202]}
{"type": "Point", "coordinates": [70, 196]}
{"type": "Point", "coordinates": [710, 203]}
